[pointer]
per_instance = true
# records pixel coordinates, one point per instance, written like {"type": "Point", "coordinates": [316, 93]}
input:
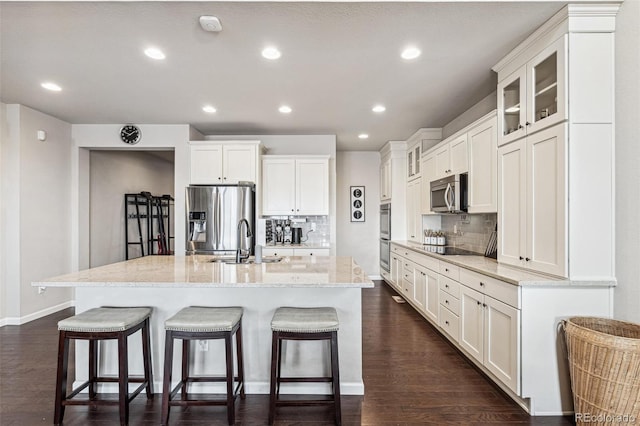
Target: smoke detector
{"type": "Point", "coordinates": [210, 23]}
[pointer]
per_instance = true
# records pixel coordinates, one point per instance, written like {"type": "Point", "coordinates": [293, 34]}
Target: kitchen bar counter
{"type": "Point", "coordinates": [506, 273]}
{"type": "Point", "coordinates": [199, 271]}
{"type": "Point", "coordinates": [170, 283]}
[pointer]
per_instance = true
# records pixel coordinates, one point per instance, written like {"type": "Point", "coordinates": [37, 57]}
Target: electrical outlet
{"type": "Point", "coordinates": [203, 345]}
{"type": "Point", "coordinates": [313, 226]}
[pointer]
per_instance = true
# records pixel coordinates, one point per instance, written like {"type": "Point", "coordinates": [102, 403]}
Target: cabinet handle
{"type": "Point", "coordinates": [446, 302]}
{"type": "Point", "coordinates": [527, 259]}
{"type": "Point", "coordinates": [310, 254]}
{"type": "Point", "coordinates": [446, 286]}
{"type": "Point", "coordinates": [297, 210]}
{"type": "Point", "coordinates": [528, 124]}
{"type": "Point", "coordinates": [481, 284]}
{"type": "Point", "coordinates": [479, 303]}
{"type": "Point", "coordinates": [484, 305]}
{"type": "Point", "coordinates": [225, 178]}
{"type": "Point", "coordinates": [219, 178]}
{"type": "Point", "coordinates": [291, 209]}
{"type": "Point", "coordinates": [521, 258]}
{"type": "Point", "coordinates": [519, 126]}
{"type": "Point", "coordinates": [446, 322]}
{"type": "Point", "coordinates": [446, 270]}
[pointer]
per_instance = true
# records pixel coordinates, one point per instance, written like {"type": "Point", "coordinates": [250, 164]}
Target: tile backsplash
{"type": "Point", "coordinates": [469, 231]}
{"type": "Point", "coordinates": [321, 236]}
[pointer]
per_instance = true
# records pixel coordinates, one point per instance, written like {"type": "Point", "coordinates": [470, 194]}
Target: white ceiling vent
{"type": "Point", "coordinates": [210, 23]}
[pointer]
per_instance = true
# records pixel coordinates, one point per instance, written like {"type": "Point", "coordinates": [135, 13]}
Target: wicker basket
{"type": "Point", "coordinates": [604, 362]}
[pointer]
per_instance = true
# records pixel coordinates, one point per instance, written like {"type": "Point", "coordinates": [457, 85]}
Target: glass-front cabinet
{"type": "Point", "coordinates": [534, 96]}
{"type": "Point", "coordinates": [413, 161]}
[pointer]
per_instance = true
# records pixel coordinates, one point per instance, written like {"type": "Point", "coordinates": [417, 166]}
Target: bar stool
{"type": "Point", "coordinates": [106, 323]}
{"type": "Point", "coordinates": [203, 323]}
{"type": "Point", "coordinates": [304, 324]}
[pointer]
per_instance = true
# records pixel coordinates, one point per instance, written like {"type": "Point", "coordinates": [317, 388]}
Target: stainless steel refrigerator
{"type": "Point", "coordinates": [214, 213]}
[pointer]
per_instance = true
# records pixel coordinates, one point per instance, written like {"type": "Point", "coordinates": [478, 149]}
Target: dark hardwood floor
{"type": "Point", "coordinates": [411, 375]}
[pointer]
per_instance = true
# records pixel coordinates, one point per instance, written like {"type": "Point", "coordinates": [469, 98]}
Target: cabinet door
{"type": "Point", "coordinates": [459, 155]}
{"type": "Point", "coordinates": [414, 210]}
{"type": "Point", "coordinates": [239, 163]}
{"type": "Point", "coordinates": [546, 201]}
{"type": "Point", "coordinates": [275, 251]}
{"type": "Point", "coordinates": [385, 180]}
{"type": "Point", "coordinates": [206, 164]}
{"type": "Point", "coordinates": [512, 94]}
{"type": "Point", "coordinates": [396, 270]}
{"type": "Point", "coordinates": [431, 306]}
{"type": "Point", "coordinates": [483, 168]}
{"type": "Point", "coordinates": [472, 322]}
{"type": "Point", "coordinates": [419, 296]}
{"type": "Point", "coordinates": [502, 342]}
{"type": "Point", "coordinates": [312, 187]}
{"type": "Point", "coordinates": [428, 175]}
{"type": "Point", "coordinates": [512, 188]}
{"type": "Point", "coordinates": [278, 186]}
{"type": "Point", "coordinates": [443, 162]}
{"type": "Point", "coordinates": [546, 88]}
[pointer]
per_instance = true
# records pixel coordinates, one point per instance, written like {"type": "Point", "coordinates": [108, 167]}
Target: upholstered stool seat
{"type": "Point", "coordinates": [203, 323]}
{"type": "Point", "coordinates": [103, 324]}
{"type": "Point", "coordinates": [304, 324]}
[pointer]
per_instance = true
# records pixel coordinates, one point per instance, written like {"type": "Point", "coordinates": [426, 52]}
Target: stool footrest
{"type": "Point", "coordinates": [304, 379]}
{"type": "Point", "coordinates": [303, 402]}
{"type": "Point", "coordinates": [182, 383]}
{"type": "Point", "coordinates": [115, 380]}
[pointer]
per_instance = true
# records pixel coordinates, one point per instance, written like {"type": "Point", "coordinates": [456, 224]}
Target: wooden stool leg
{"type": "Point", "coordinates": [166, 384]}
{"type": "Point", "coordinates": [93, 368]}
{"type": "Point", "coordinates": [335, 374]}
{"type": "Point", "coordinates": [231, 412]}
{"type": "Point", "coordinates": [61, 378]}
{"type": "Point", "coordinates": [240, 359]}
{"type": "Point", "coordinates": [146, 353]}
{"type": "Point", "coordinates": [275, 338]}
{"type": "Point", "coordinates": [279, 373]}
{"type": "Point", "coordinates": [186, 351]}
{"type": "Point", "coordinates": [123, 380]}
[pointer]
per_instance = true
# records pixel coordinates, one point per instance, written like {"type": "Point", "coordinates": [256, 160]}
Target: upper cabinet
{"type": "Point", "coordinates": [483, 163]}
{"type": "Point", "coordinates": [385, 179]}
{"type": "Point", "coordinates": [229, 162]}
{"type": "Point", "coordinates": [428, 164]}
{"type": "Point", "coordinates": [413, 161]}
{"type": "Point", "coordinates": [534, 96]}
{"type": "Point", "coordinates": [452, 157]}
{"type": "Point", "coordinates": [295, 185]}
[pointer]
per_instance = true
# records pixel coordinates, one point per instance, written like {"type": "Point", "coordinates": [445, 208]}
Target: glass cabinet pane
{"type": "Point", "coordinates": [512, 107]}
{"type": "Point", "coordinates": [410, 163]}
{"type": "Point", "coordinates": [545, 100]}
{"type": "Point", "coordinates": [417, 159]}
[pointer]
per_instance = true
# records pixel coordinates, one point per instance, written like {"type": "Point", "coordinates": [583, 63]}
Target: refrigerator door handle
{"type": "Point", "coordinates": [217, 205]}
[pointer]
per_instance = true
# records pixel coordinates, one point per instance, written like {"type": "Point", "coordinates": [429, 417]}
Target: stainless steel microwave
{"type": "Point", "coordinates": [449, 195]}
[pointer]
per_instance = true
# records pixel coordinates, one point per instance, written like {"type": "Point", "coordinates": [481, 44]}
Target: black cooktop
{"type": "Point", "coordinates": [450, 251]}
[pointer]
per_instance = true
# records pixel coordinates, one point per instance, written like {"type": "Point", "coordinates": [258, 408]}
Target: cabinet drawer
{"type": "Point", "coordinates": [450, 270]}
{"type": "Point", "coordinates": [450, 302]}
{"type": "Point", "coordinates": [407, 274]}
{"type": "Point", "coordinates": [407, 288]}
{"type": "Point", "coordinates": [450, 323]}
{"type": "Point", "coordinates": [426, 261]}
{"type": "Point", "coordinates": [277, 251]}
{"type": "Point", "coordinates": [397, 250]}
{"type": "Point", "coordinates": [449, 286]}
{"type": "Point", "coordinates": [311, 252]}
{"type": "Point", "coordinates": [504, 292]}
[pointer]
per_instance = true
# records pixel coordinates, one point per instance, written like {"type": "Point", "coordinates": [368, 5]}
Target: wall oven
{"type": "Point", "coordinates": [449, 195]}
{"type": "Point", "coordinates": [385, 236]}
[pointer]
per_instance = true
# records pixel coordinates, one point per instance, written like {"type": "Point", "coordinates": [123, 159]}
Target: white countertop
{"type": "Point", "coordinates": [199, 271]}
{"type": "Point", "coordinates": [506, 273]}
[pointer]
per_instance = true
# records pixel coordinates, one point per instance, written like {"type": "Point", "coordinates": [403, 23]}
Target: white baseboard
{"type": "Point", "coordinates": [36, 315]}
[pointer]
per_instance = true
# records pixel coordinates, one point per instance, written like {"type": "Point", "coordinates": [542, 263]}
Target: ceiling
{"type": "Point", "coordinates": [338, 61]}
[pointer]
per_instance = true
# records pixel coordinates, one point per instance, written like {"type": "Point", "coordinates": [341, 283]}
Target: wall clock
{"type": "Point", "coordinates": [130, 134]}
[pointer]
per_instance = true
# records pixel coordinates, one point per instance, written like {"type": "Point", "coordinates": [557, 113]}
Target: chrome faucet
{"type": "Point", "coordinates": [239, 256]}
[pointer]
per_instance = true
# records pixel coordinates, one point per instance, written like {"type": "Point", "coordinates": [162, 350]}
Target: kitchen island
{"type": "Point", "coordinates": [169, 283]}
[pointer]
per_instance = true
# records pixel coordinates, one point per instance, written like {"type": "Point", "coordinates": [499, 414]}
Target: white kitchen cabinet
{"type": "Point", "coordinates": [428, 165]}
{"type": "Point", "coordinates": [483, 167]}
{"type": "Point", "coordinates": [277, 251]}
{"type": "Point", "coordinates": [396, 270]}
{"type": "Point", "coordinates": [223, 162]}
{"type": "Point", "coordinates": [532, 188]}
{"type": "Point", "coordinates": [489, 332]}
{"type": "Point", "coordinates": [311, 252]}
{"type": "Point", "coordinates": [413, 161]}
{"type": "Point", "coordinates": [385, 179]}
{"type": "Point", "coordinates": [533, 97]}
{"type": "Point", "coordinates": [420, 288]}
{"type": "Point", "coordinates": [295, 185]}
{"type": "Point", "coordinates": [432, 303]}
{"type": "Point", "coordinates": [414, 210]}
{"type": "Point", "coordinates": [452, 157]}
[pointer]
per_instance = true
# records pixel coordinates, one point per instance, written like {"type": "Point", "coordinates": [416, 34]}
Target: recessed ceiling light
{"type": "Point", "coordinates": [410, 53]}
{"type": "Point", "coordinates": [51, 86]}
{"type": "Point", "coordinates": [271, 53]}
{"type": "Point", "coordinates": [154, 53]}
{"type": "Point", "coordinates": [209, 109]}
{"type": "Point", "coordinates": [285, 109]}
{"type": "Point", "coordinates": [378, 108]}
{"type": "Point", "coordinates": [363, 136]}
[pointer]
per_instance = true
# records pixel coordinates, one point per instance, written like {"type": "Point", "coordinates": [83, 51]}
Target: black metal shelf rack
{"type": "Point", "coordinates": [151, 232]}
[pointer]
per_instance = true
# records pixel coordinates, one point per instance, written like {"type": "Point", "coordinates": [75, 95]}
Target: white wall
{"type": "Point", "coordinates": [36, 212]}
{"type": "Point", "coordinates": [359, 239]}
{"type": "Point", "coordinates": [113, 174]}
{"type": "Point", "coordinates": [4, 136]}
{"type": "Point", "coordinates": [87, 137]}
{"type": "Point", "coordinates": [627, 294]}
